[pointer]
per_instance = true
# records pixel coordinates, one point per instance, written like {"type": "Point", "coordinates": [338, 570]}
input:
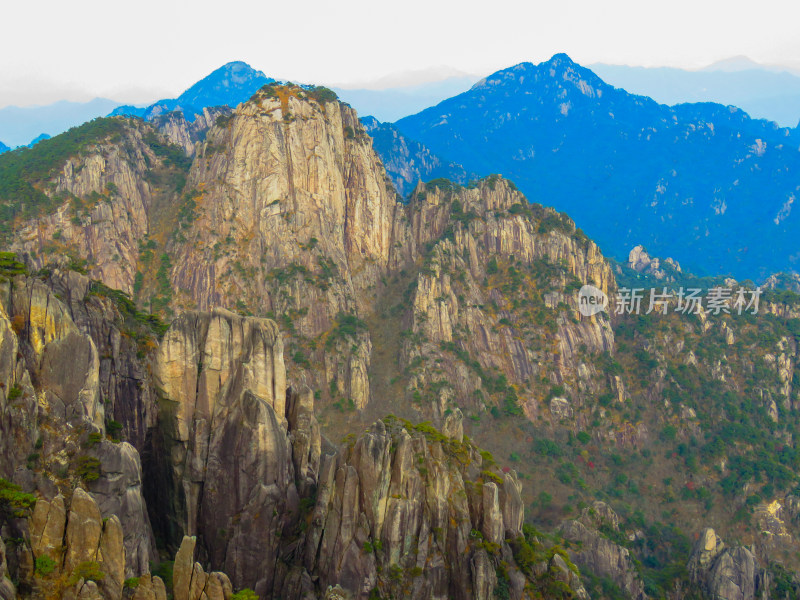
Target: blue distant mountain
{"type": "Point", "coordinates": [761, 92]}
{"type": "Point", "coordinates": [39, 138]}
{"type": "Point", "coordinates": [19, 125]}
{"type": "Point", "coordinates": [702, 183]}
{"type": "Point", "coordinates": [3, 148]}
{"type": "Point", "coordinates": [230, 85]}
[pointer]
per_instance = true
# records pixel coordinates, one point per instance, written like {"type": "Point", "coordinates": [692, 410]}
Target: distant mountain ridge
{"type": "Point", "coordinates": [703, 183]}
{"type": "Point", "coordinates": [762, 92]}
{"type": "Point", "coordinates": [229, 85]}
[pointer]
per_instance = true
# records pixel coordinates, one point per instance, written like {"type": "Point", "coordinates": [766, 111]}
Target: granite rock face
{"type": "Point", "coordinates": [468, 293]}
{"type": "Point", "coordinates": [640, 261]}
{"type": "Point", "coordinates": [82, 546]}
{"type": "Point", "coordinates": [296, 183]}
{"type": "Point", "coordinates": [282, 208]}
{"type": "Point", "coordinates": [187, 134]}
{"type": "Point", "coordinates": [190, 582]}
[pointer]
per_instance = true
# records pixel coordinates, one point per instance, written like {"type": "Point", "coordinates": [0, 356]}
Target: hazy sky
{"type": "Point", "coordinates": [138, 51]}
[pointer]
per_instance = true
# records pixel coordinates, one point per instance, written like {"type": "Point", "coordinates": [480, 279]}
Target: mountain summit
{"type": "Point", "coordinates": [703, 183]}
{"type": "Point", "coordinates": [230, 85]}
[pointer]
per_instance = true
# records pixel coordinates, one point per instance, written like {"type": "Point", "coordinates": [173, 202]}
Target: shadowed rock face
{"type": "Point", "coordinates": [229, 433]}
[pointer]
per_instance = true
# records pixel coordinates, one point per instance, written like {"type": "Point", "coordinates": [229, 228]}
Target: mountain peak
{"type": "Point", "coordinates": [559, 74]}
{"type": "Point", "coordinates": [236, 68]}
{"type": "Point", "coordinates": [230, 75]}
{"type": "Point", "coordinates": [560, 59]}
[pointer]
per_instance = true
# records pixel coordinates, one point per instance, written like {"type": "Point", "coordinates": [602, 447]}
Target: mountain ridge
{"type": "Point", "coordinates": [529, 122]}
{"type": "Point", "coordinates": [760, 92]}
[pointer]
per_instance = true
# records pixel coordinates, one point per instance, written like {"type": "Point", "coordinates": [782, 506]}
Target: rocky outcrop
{"type": "Point", "coordinates": [190, 582]}
{"type": "Point", "coordinates": [60, 359]}
{"type": "Point", "coordinates": [77, 553]}
{"type": "Point", "coordinates": [596, 553]}
{"type": "Point", "coordinates": [18, 424]}
{"type": "Point", "coordinates": [641, 262]}
{"type": "Point", "coordinates": [119, 492]}
{"type": "Point", "coordinates": [411, 513]}
{"type": "Point", "coordinates": [293, 178]}
{"type": "Point", "coordinates": [186, 134]}
{"type": "Point", "coordinates": [305, 436]}
{"type": "Point", "coordinates": [286, 169]}
{"type": "Point", "coordinates": [725, 573]}
{"type": "Point", "coordinates": [122, 337]}
{"type": "Point", "coordinates": [149, 587]}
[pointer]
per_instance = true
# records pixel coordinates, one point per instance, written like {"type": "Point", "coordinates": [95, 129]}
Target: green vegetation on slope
{"type": "Point", "coordinates": [24, 171]}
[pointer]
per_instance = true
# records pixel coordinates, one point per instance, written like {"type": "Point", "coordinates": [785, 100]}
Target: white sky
{"type": "Point", "coordinates": [138, 51]}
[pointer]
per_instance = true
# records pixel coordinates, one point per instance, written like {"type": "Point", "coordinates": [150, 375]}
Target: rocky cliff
{"type": "Point", "coordinates": [292, 218]}
{"type": "Point", "coordinates": [488, 266]}
{"type": "Point", "coordinates": [233, 461]}
{"type": "Point", "coordinates": [62, 389]}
